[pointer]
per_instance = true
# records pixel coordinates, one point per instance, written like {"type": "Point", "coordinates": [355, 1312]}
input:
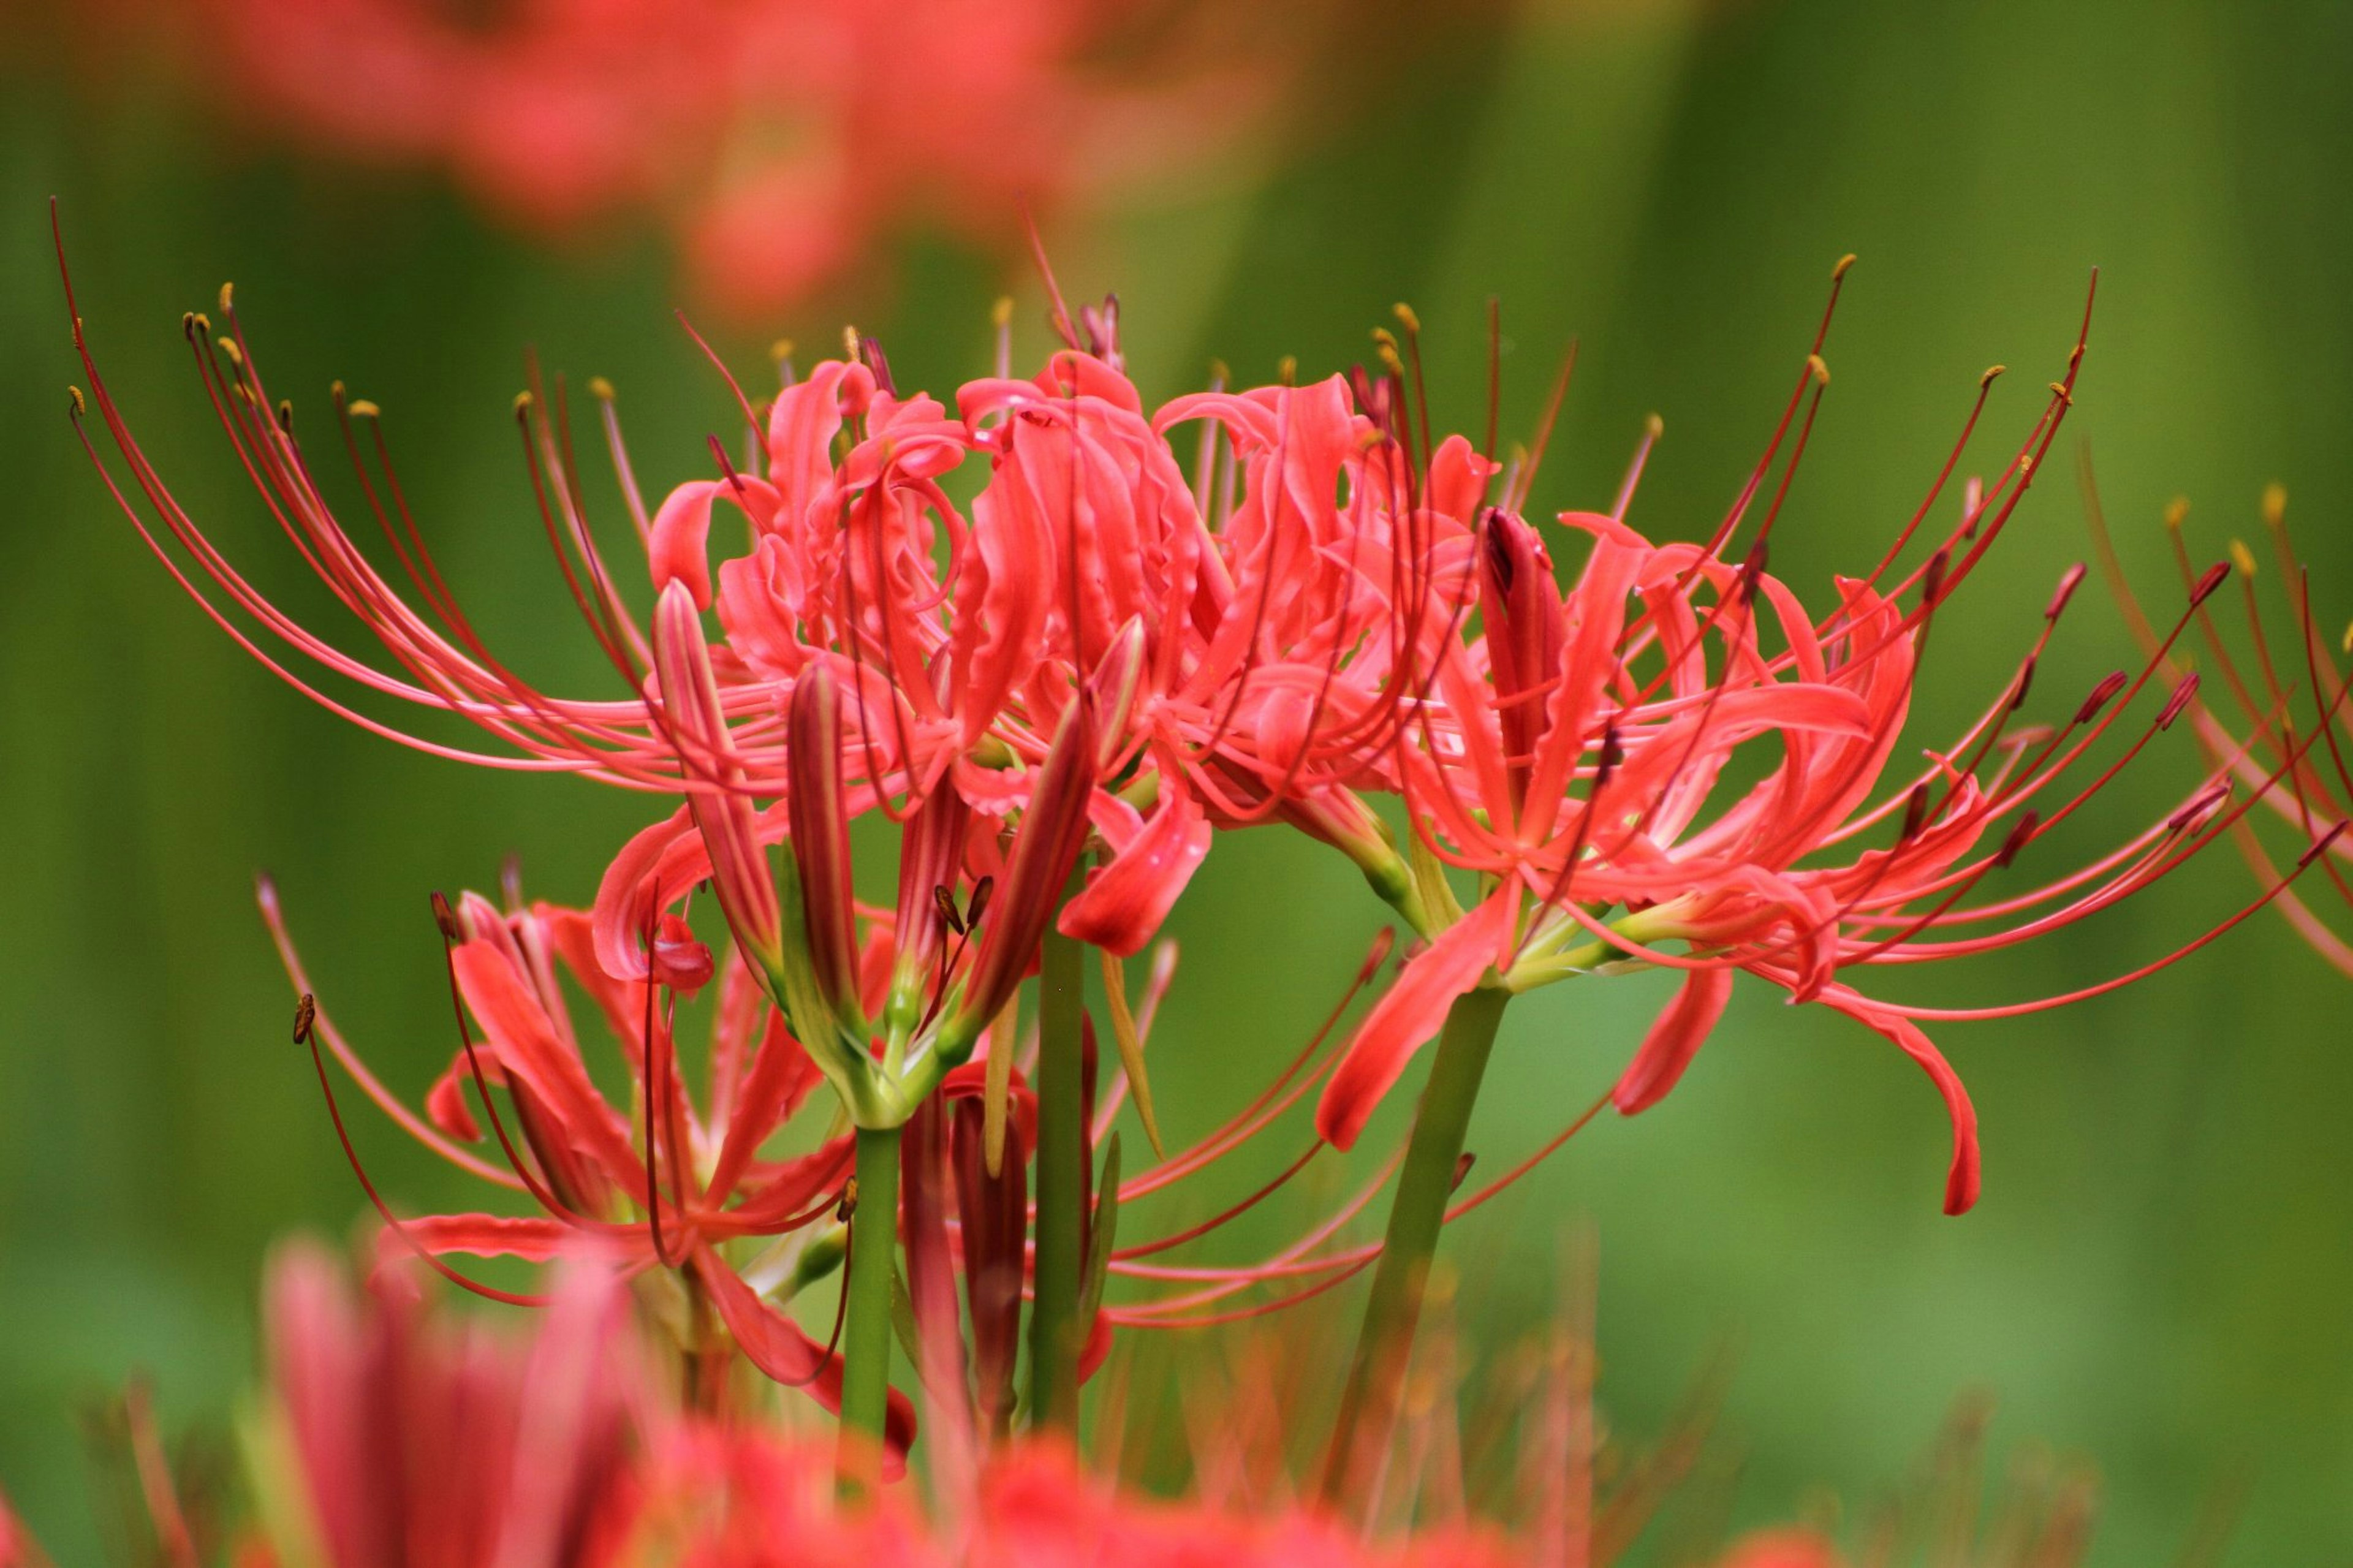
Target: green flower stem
{"type": "Point", "coordinates": [866, 1331]}
{"type": "Point", "coordinates": [1054, 1328]}
{"type": "Point", "coordinates": [1368, 1405]}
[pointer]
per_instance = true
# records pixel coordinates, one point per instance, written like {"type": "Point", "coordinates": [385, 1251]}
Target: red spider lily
{"type": "Point", "coordinates": [959, 643]}
{"type": "Point", "coordinates": [661, 1188]}
{"type": "Point", "coordinates": [2277, 698]}
{"type": "Point", "coordinates": [396, 1439]}
{"type": "Point", "coordinates": [1572, 753]}
{"type": "Point", "coordinates": [17, 1547]}
{"type": "Point", "coordinates": [780, 139]}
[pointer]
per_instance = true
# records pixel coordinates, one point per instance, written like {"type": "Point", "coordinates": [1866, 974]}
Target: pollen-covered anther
{"type": "Point", "coordinates": [2059, 389]}
{"type": "Point", "coordinates": [1820, 368]}
{"type": "Point", "coordinates": [1992, 373]}
{"type": "Point", "coordinates": [1839, 271]}
{"type": "Point", "coordinates": [2243, 558]}
{"type": "Point", "coordinates": [2276, 510]}
{"type": "Point", "coordinates": [2176, 512]}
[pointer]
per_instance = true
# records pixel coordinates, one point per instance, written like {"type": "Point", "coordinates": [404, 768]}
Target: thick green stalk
{"type": "Point", "coordinates": [1054, 1328]}
{"type": "Point", "coordinates": [1368, 1405]}
{"type": "Point", "coordinates": [866, 1327]}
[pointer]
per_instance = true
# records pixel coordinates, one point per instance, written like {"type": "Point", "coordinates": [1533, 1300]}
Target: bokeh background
{"type": "Point", "coordinates": [2156, 1282]}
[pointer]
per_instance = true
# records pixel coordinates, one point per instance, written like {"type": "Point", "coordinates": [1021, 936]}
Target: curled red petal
{"type": "Point", "coordinates": [775, 1345]}
{"type": "Point", "coordinates": [1409, 1015]}
{"type": "Point", "coordinates": [1124, 902]}
{"type": "Point", "coordinates": [1962, 1180]}
{"type": "Point", "coordinates": [677, 549]}
{"type": "Point", "coordinates": [1674, 1038]}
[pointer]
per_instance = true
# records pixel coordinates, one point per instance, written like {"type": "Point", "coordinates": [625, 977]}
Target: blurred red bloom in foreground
{"type": "Point", "coordinates": [779, 139]}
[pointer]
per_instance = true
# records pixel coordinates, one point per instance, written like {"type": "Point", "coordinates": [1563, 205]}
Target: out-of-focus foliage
{"type": "Point", "coordinates": [2155, 1275]}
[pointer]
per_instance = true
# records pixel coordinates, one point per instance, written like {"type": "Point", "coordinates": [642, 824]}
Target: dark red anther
{"type": "Point", "coordinates": [1915, 813]}
{"type": "Point", "coordinates": [2069, 581]}
{"type": "Point", "coordinates": [2216, 575]}
{"type": "Point", "coordinates": [870, 348]}
{"type": "Point", "coordinates": [1613, 752]}
{"type": "Point", "coordinates": [978, 904]}
{"type": "Point", "coordinates": [1932, 579]}
{"type": "Point", "coordinates": [306, 1013]}
{"type": "Point", "coordinates": [1499, 550]}
{"type": "Point", "coordinates": [2025, 684]}
{"type": "Point", "coordinates": [2319, 846]}
{"type": "Point", "coordinates": [2109, 687]}
{"type": "Point", "coordinates": [2018, 837]}
{"type": "Point", "coordinates": [1462, 1164]}
{"type": "Point", "coordinates": [2199, 805]}
{"type": "Point", "coordinates": [446, 918]}
{"type": "Point", "coordinates": [944, 902]}
{"type": "Point", "coordinates": [1101, 323]}
{"type": "Point", "coordinates": [2182, 696]}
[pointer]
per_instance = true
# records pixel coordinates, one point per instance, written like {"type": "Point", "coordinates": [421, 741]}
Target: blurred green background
{"type": "Point", "coordinates": [2157, 1279]}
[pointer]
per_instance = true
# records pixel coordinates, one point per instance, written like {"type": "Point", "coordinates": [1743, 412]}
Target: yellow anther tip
{"type": "Point", "coordinates": [1844, 263]}
{"type": "Point", "coordinates": [2176, 511]}
{"type": "Point", "coordinates": [227, 297]}
{"type": "Point", "coordinates": [230, 352]}
{"type": "Point", "coordinates": [522, 401]}
{"type": "Point", "coordinates": [601, 389]}
{"type": "Point", "coordinates": [1001, 313]}
{"type": "Point", "coordinates": [75, 392]}
{"type": "Point", "coordinates": [1991, 372]}
{"type": "Point", "coordinates": [2243, 558]}
{"type": "Point", "coordinates": [2274, 505]}
{"type": "Point", "coordinates": [362, 409]}
{"type": "Point", "coordinates": [1404, 314]}
{"type": "Point", "coordinates": [1821, 368]}
{"type": "Point", "coordinates": [1654, 426]}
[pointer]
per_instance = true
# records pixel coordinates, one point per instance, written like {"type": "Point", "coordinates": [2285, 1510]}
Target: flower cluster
{"type": "Point", "coordinates": [1058, 690]}
{"type": "Point", "coordinates": [779, 139]}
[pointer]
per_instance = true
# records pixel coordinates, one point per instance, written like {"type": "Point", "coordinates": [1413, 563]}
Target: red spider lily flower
{"type": "Point", "coordinates": [781, 139]}
{"type": "Point", "coordinates": [672, 1192]}
{"type": "Point", "coordinates": [393, 1437]}
{"type": "Point", "coordinates": [1782, 1548]}
{"type": "Point", "coordinates": [2258, 716]}
{"type": "Point", "coordinates": [17, 1547]}
{"type": "Point", "coordinates": [1574, 752]}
